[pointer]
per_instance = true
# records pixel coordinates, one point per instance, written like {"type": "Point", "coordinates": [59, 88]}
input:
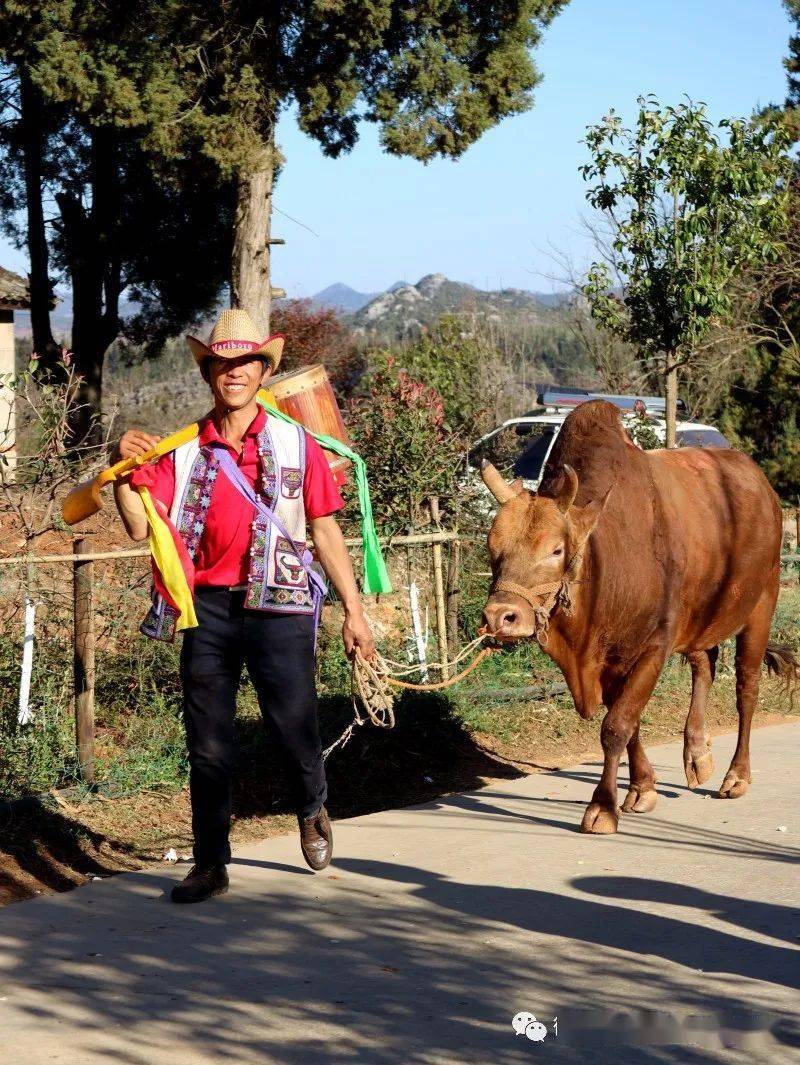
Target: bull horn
{"type": "Point", "coordinates": [569, 489]}
{"type": "Point", "coordinates": [497, 484]}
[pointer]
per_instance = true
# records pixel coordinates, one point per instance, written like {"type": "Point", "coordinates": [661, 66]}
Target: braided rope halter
{"type": "Point", "coordinates": [546, 598]}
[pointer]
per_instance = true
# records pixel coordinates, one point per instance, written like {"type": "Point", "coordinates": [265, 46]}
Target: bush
{"type": "Point", "coordinates": [453, 360]}
{"type": "Point", "coordinates": [318, 335]}
{"type": "Point", "coordinates": [410, 450]}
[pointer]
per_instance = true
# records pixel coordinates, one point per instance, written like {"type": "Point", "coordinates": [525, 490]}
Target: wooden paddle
{"type": "Point", "coordinates": [86, 500]}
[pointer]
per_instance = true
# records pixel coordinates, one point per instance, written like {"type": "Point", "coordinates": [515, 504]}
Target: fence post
{"type": "Point", "coordinates": [83, 659]}
{"type": "Point", "coordinates": [453, 593]}
{"type": "Point", "coordinates": [438, 587]}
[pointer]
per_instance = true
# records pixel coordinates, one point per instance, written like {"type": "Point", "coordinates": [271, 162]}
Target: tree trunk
{"type": "Point", "coordinates": [87, 314]}
{"type": "Point", "coordinates": [32, 127]}
{"type": "Point", "coordinates": [95, 273]}
{"type": "Point", "coordinates": [671, 396]}
{"type": "Point", "coordinates": [250, 265]}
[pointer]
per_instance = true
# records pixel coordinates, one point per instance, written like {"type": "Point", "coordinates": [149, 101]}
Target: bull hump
{"type": "Point", "coordinates": [594, 442]}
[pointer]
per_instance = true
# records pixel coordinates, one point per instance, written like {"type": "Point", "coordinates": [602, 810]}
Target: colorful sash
{"type": "Point", "coordinates": [315, 581]}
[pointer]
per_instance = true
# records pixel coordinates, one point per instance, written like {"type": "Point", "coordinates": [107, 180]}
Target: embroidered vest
{"type": "Point", "coordinates": [276, 581]}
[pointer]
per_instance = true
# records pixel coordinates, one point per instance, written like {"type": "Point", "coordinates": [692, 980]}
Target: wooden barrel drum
{"type": "Point", "coordinates": [307, 396]}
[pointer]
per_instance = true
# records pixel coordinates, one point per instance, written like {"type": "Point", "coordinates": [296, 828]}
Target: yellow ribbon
{"type": "Point", "coordinates": [165, 556]}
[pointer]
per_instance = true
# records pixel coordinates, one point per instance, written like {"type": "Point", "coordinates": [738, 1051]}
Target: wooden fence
{"type": "Point", "coordinates": [445, 589]}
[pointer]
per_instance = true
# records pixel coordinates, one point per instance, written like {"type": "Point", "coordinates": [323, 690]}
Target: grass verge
{"type": "Point", "coordinates": [440, 744]}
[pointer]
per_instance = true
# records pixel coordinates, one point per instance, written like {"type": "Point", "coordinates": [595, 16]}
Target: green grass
{"type": "Point", "coordinates": [140, 741]}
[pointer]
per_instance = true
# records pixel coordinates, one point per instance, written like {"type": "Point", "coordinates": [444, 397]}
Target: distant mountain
{"type": "Point", "coordinates": [60, 319]}
{"type": "Point", "coordinates": [401, 311]}
{"type": "Point", "coordinates": [404, 310]}
{"type": "Point", "coordinates": [553, 299]}
{"type": "Point", "coordinates": [343, 298]}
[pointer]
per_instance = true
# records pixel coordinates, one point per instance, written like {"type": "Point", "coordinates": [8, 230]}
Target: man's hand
{"type": "Point", "coordinates": [130, 506]}
{"type": "Point", "coordinates": [332, 553]}
{"type": "Point", "coordinates": [356, 633]}
{"type": "Point", "coordinates": [134, 442]}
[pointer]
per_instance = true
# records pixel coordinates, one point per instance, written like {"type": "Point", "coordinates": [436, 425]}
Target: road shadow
{"type": "Point", "coordinates": [46, 847]}
{"type": "Point", "coordinates": [753, 915]}
{"type": "Point", "coordinates": [428, 753]}
{"type": "Point", "coordinates": [383, 964]}
{"type": "Point", "coordinates": [643, 831]}
{"type": "Point", "coordinates": [637, 931]}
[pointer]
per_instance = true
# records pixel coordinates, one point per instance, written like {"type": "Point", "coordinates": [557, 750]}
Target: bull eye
{"type": "Point", "coordinates": [558, 551]}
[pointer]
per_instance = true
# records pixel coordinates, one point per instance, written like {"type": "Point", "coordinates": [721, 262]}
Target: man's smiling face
{"type": "Point", "coordinates": [235, 382]}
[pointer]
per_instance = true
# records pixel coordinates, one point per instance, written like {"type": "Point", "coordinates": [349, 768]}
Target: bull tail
{"type": "Point", "coordinates": [782, 662]}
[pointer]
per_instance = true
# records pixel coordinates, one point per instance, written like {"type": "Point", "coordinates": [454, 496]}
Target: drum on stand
{"type": "Point", "coordinates": [307, 396]}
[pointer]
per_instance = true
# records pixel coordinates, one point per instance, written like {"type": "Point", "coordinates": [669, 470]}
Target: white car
{"type": "Point", "coordinates": [556, 403]}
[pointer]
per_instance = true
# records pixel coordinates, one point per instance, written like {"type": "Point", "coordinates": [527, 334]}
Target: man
{"type": "Point", "coordinates": [253, 599]}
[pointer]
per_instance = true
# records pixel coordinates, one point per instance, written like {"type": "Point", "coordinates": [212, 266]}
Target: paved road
{"type": "Point", "coordinates": [435, 927]}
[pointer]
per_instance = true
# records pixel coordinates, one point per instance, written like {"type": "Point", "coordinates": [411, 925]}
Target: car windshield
{"type": "Point", "coordinates": [528, 464]}
{"type": "Point", "coordinates": [701, 438]}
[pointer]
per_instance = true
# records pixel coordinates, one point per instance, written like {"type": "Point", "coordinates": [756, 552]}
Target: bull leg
{"type": "Point", "coordinates": [619, 726]}
{"type": "Point", "coordinates": [642, 795]}
{"type": "Point", "coordinates": [698, 762]}
{"type": "Point", "coordinates": [751, 643]}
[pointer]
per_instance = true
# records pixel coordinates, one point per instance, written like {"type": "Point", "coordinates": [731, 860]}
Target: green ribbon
{"type": "Point", "coordinates": [376, 577]}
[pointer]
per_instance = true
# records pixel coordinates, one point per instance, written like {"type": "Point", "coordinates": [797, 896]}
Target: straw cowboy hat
{"type": "Point", "coordinates": [235, 334]}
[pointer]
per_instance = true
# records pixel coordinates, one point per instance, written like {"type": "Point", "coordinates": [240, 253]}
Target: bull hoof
{"type": "Point", "coordinates": [734, 785]}
{"type": "Point", "coordinates": [640, 800]}
{"type": "Point", "coordinates": [698, 767]}
{"type": "Point", "coordinates": [600, 820]}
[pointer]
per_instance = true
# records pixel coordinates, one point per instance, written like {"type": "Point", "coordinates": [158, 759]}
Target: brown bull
{"type": "Point", "coordinates": [625, 557]}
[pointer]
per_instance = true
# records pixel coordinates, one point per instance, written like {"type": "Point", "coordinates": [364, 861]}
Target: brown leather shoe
{"type": "Point", "coordinates": [316, 839]}
{"type": "Point", "coordinates": [201, 884]}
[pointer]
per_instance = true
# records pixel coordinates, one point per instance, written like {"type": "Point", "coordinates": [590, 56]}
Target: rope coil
{"type": "Point", "coordinates": [371, 682]}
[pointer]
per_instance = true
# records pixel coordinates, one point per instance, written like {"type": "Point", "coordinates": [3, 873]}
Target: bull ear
{"type": "Point", "coordinates": [586, 518]}
{"type": "Point", "coordinates": [569, 489]}
{"type": "Point", "coordinates": [497, 484]}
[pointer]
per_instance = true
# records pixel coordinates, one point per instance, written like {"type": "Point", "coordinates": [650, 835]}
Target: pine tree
{"type": "Point", "coordinates": [792, 65]}
{"type": "Point", "coordinates": [91, 119]}
{"type": "Point", "coordinates": [434, 75]}
{"type": "Point", "coordinates": [131, 125]}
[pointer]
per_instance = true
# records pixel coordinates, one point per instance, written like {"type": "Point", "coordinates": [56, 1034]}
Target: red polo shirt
{"type": "Point", "coordinates": [224, 551]}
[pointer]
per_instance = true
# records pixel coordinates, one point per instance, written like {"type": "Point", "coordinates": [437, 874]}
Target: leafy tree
{"type": "Point", "coordinates": [690, 206]}
{"type": "Point", "coordinates": [761, 416]}
{"type": "Point", "coordinates": [760, 412]}
{"type": "Point", "coordinates": [757, 407]}
{"type": "Point", "coordinates": [317, 334]}
{"type": "Point", "coordinates": [434, 75]}
{"type": "Point", "coordinates": [452, 359]}
{"type": "Point", "coordinates": [200, 93]}
{"type": "Point", "coordinates": [136, 209]}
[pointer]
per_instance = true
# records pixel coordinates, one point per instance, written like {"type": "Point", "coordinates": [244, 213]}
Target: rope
{"type": "Point", "coordinates": [557, 595]}
{"type": "Point", "coordinates": [446, 683]}
{"type": "Point", "coordinates": [371, 682]}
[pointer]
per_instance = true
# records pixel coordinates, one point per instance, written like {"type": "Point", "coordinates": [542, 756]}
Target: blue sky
{"type": "Point", "coordinates": [492, 217]}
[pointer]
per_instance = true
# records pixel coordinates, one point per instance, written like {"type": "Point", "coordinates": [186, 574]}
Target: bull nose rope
{"type": "Point", "coordinates": [371, 682]}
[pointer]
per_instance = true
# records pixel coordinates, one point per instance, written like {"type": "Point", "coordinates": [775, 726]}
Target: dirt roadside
{"type": "Point", "coordinates": [45, 850]}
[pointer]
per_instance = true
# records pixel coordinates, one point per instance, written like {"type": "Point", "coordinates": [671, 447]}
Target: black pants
{"type": "Point", "coordinates": [278, 650]}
